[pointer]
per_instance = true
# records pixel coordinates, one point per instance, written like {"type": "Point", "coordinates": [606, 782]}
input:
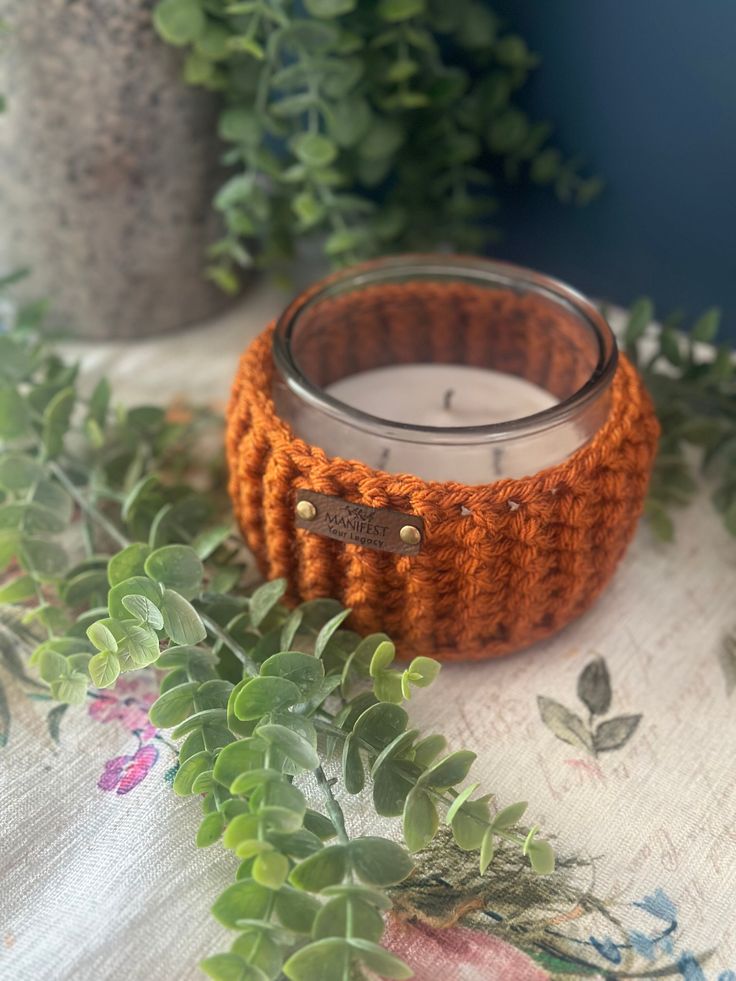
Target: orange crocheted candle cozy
{"type": "Point", "coordinates": [502, 564]}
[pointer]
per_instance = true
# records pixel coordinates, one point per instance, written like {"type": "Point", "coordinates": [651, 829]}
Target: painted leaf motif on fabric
{"type": "Point", "coordinates": [566, 725]}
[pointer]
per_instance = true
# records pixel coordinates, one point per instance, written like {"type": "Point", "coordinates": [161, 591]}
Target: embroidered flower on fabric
{"type": "Point", "coordinates": [123, 773]}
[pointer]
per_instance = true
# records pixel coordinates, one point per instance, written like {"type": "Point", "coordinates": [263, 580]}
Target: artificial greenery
{"type": "Point", "coordinates": [694, 391]}
{"type": "Point", "coordinates": [117, 565]}
{"type": "Point", "coordinates": [380, 125]}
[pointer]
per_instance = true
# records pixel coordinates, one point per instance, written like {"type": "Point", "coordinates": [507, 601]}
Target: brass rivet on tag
{"type": "Point", "coordinates": [306, 510]}
{"type": "Point", "coordinates": [410, 535]}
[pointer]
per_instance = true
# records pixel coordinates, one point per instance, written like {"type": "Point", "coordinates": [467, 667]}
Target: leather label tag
{"type": "Point", "coordinates": [357, 524]}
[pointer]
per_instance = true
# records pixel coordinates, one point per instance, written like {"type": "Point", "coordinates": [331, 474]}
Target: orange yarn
{"type": "Point", "coordinates": [503, 564]}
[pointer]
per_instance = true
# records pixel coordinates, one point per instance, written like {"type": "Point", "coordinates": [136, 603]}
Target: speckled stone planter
{"type": "Point", "coordinates": [108, 165]}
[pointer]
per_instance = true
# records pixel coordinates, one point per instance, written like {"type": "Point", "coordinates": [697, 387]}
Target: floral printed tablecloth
{"type": "Point", "coordinates": [621, 732]}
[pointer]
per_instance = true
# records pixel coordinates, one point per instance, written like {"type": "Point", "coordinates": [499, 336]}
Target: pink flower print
{"type": "Point", "coordinates": [123, 773]}
{"type": "Point", "coordinates": [459, 953]}
{"type": "Point", "coordinates": [127, 703]}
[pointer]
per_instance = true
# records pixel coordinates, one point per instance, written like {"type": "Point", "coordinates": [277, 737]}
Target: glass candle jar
{"type": "Point", "coordinates": [444, 367]}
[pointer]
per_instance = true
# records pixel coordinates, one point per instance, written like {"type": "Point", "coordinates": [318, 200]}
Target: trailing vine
{"type": "Point", "coordinates": [116, 564]}
{"type": "Point", "coordinates": [381, 126]}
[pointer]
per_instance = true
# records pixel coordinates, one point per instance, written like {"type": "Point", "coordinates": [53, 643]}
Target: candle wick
{"type": "Point", "coordinates": [447, 401]}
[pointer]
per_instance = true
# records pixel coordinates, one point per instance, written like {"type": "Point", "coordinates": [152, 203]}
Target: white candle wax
{"type": "Point", "coordinates": [442, 396]}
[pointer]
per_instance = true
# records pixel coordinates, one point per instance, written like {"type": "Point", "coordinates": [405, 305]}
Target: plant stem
{"type": "Point", "coordinates": [333, 807]}
{"type": "Point", "coordinates": [88, 508]}
{"type": "Point", "coordinates": [439, 796]}
{"type": "Point", "coordinates": [224, 637]}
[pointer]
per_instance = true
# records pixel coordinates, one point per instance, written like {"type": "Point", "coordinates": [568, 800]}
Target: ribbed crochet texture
{"type": "Point", "coordinates": [503, 564]}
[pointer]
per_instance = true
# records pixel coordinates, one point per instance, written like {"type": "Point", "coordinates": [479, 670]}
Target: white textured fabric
{"type": "Point", "coordinates": [99, 883]}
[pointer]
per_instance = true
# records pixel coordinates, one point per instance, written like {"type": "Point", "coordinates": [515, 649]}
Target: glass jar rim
{"type": "Point", "coordinates": [440, 266]}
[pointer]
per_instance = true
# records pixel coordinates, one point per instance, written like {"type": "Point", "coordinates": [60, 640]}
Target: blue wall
{"type": "Point", "coordinates": [646, 91]}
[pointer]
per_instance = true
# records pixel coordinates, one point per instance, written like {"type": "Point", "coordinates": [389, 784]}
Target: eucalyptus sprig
{"type": "Point", "coordinates": [692, 380]}
{"type": "Point", "coordinates": [379, 125]}
{"type": "Point", "coordinates": [117, 565]}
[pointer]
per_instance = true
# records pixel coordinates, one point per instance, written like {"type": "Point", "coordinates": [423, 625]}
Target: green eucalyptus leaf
{"type": "Point", "coordinates": [297, 845]}
{"type": "Point", "coordinates": [56, 419]}
{"type": "Point", "coordinates": [236, 725]}
{"type": "Point", "coordinates": [104, 669]}
{"type": "Point", "coordinates": [262, 947]}
{"type": "Point", "coordinates": [210, 830]}
{"type": "Point", "coordinates": [323, 960]}
{"type": "Point", "coordinates": [179, 22]}
{"type": "Point", "coordinates": [209, 540]}
{"type": "Point", "coordinates": [128, 563]}
{"type": "Point", "coordinates": [15, 416]}
{"type": "Point", "coordinates": [305, 671]}
{"type": "Point", "coordinates": [137, 645]}
{"type": "Point", "coordinates": [325, 868]}
{"type": "Point", "coordinates": [237, 758]}
{"type": "Point", "coordinates": [383, 656]}
{"type": "Point", "coordinates": [459, 801]}
{"type": "Point", "coordinates": [102, 637]}
{"type": "Point", "coordinates": [189, 771]}
{"type": "Point", "coordinates": [243, 900]}
{"type": "Point", "coordinates": [327, 631]}
{"type": "Point", "coordinates": [428, 749]}
{"type": "Point", "coordinates": [469, 824]}
{"type": "Point", "coordinates": [319, 825]}
{"type": "Point", "coordinates": [486, 851]}
{"type": "Point", "coordinates": [395, 749]}
{"type": "Point", "coordinates": [378, 861]}
{"type": "Point", "coordinates": [352, 766]}
{"type": "Point", "coordinates": [423, 671]}
{"type": "Point", "coordinates": [388, 686]}
{"type": "Point", "coordinates": [252, 779]}
{"type": "Point", "coordinates": [420, 820]}
{"type": "Point", "coordinates": [262, 695]}
{"type": "Point", "coordinates": [18, 472]}
{"type": "Point", "coordinates": [357, 891]}
{"type": "Point", "coordinates": [296, 909]}
{"type": "Point", "coordinates": [332, 920]}
{"type": "Point", "coordinates": [182, 623]}
{"type": "Point", "coordinates": [377, 958]}
{"type": "Point", "coordinates": [390, 788]}
{"type": "Point", "coordinates": [18, 590]}
{"type": "Point", "coordinates": [143, 610]}
{"type": "Point", "coordinates": [178, 567]}
{"type": "Point", "coordinates": [213, 719]}
{"type": "Point", "coordinates": [264, 599]}
{"type": "Point", "coordinates": [329, 8]}
{"type": "Point", "coordinates": [290, 628]}
{"type": "Point", "coordinates": [293, 745]}
{"type": "Point", "coordinates": [315, 613]}
{"type": "Point", "coordinates": [32, 517]}
{"type": "Point", "coordinates": [449, 771]}
{"type": "Point", "coordinates": [133, 586]}
{"type": "Point", "coordinates": [314, 149]}
{"type": "Point", "coordinates": [270, 869]}
{"type": "Point", "coordinates": [380, 724]}
{"type": "Point", "coordinates": [71, 689]}
{"type": "Point", "coordinates": [174, 706]}
{"type": "Point", "coordinates": [509, 816]}
{"type": "Point", "coordinates": [542, 857]}
{"type": "Point", "coordinates": [395, 11]}
{"type": "Point", "coordinates": [232, 967]}
{"type": "Point", "coordinates": [705, 329]}
{"type": "Point", "coordinates": [52, 665]}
